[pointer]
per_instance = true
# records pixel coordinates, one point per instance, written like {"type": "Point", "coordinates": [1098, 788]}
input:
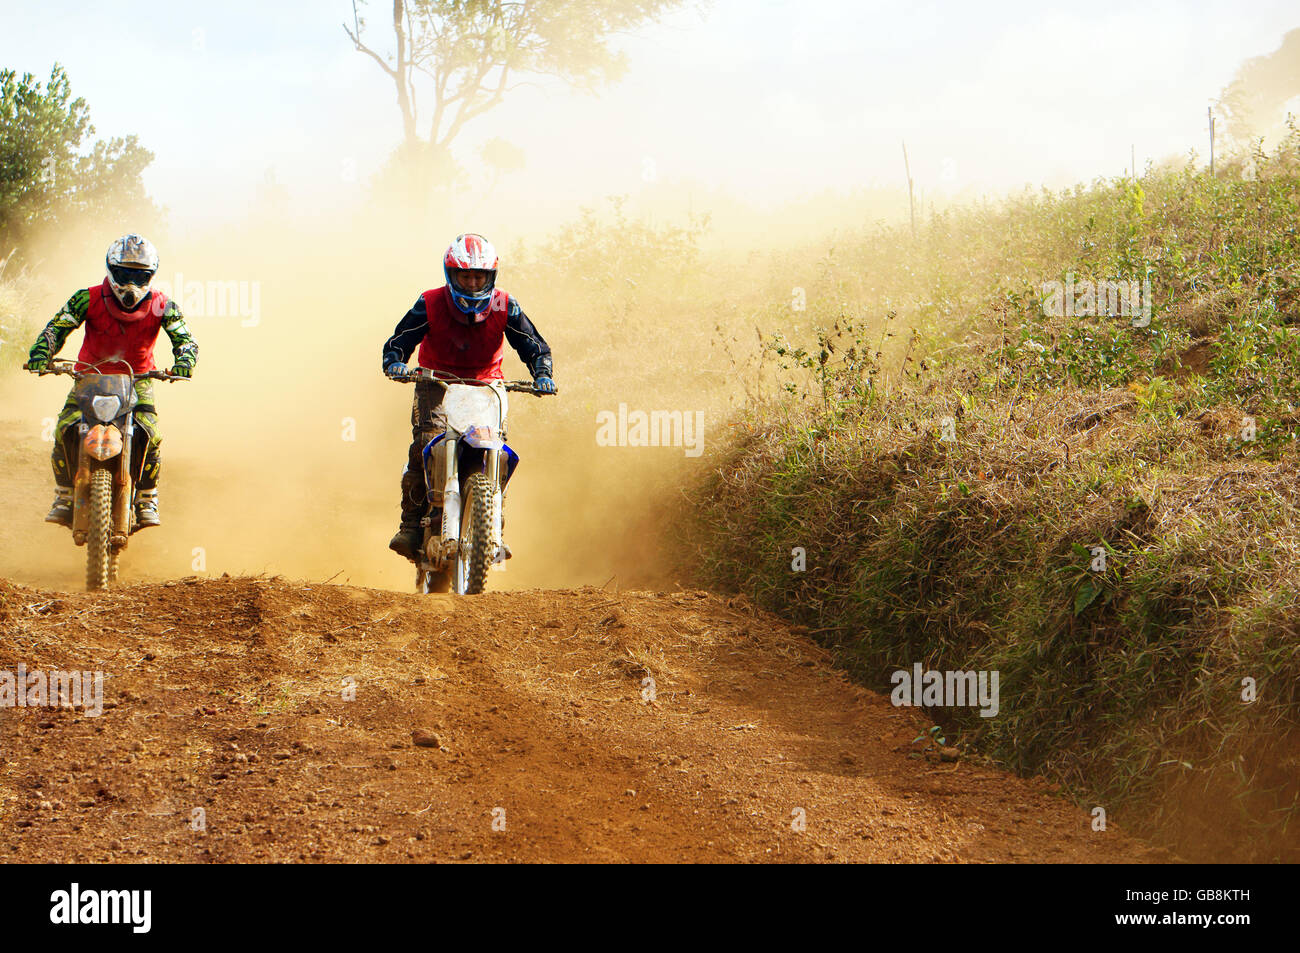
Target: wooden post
{"type": "Point", "coordinates": [1209, 111]}
{"type": "Point", "coordinates": [911, 201]}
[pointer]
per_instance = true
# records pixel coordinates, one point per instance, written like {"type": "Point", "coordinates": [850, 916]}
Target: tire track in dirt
{"type": "Point", "coordinates": [228, 695]}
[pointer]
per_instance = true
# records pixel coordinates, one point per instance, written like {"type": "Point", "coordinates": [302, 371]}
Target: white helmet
{"type": "Point", "coordinates": [132, 261]}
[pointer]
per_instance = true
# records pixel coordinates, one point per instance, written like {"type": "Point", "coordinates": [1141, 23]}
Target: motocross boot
{"type": "Point", "coordinates": [146, 509]}
{"type": "Point", "coordinates": [61, 511]}
{"type": "Point", "coordinates": [406, 541]}
{"type": "Point", "coordinates": [505, 550]}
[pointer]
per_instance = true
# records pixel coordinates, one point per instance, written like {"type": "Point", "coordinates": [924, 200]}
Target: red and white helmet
{"type": "Point", "coordinates": [471, 252]}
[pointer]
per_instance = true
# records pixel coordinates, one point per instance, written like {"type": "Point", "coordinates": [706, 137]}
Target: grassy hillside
{"type": "Point", "coordinates": [1100, 507]}
{"type": "Point", "coordinates": [17, 329]}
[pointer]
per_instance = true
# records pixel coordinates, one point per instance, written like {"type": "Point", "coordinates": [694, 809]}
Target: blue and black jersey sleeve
{"type": "Point", "coordinates": [527, 342]}
{"type": "Point", "coordinates": [409, 333]}
{"type": "Point", "coordinates": [520, 332]}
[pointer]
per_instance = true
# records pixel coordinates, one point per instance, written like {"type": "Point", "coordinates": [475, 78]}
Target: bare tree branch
{"type": "Point", "coordinates": [469, 111]}
{"type": "Point", "coordinates": [369, 52]}
{"type": "Point", "coordinates": [468, 51]}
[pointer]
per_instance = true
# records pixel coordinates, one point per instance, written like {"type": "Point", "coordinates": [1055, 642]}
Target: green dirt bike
{"type": "Point", "coordinates": [108, 462]}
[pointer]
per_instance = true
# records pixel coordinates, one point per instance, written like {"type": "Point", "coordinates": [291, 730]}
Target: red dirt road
{"type": "Point", "coordinates": [536, 742]}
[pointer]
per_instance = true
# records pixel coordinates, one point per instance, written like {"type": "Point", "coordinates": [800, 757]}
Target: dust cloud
{"type": "Point", "coordinates": [283, 455]}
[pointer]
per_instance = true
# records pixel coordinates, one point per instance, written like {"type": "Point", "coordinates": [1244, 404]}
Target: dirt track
{"type": "Point", "coordinates": [227, 695]}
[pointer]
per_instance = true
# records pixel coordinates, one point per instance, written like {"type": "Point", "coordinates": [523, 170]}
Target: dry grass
{"type": "Point", "coordinates": [953, 514]}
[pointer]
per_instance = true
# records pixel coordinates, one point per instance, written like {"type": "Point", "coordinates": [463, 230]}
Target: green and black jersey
{"type": "Point", "coordinates": [185, 351]}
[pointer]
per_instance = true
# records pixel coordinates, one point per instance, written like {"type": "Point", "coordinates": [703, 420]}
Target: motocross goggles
{"type": "Point", "coordinates": [137, 277]}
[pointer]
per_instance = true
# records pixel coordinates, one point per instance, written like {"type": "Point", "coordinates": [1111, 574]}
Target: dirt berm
{"type": "Point", "coordinates": [517, 726]}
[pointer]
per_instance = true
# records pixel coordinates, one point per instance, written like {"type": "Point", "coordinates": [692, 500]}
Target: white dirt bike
{"type": "Point", "coordinates": [466, 469]}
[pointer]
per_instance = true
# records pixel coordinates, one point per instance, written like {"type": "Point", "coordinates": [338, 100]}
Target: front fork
{"type": "Point", "coordinates": [445, 481]}
{"type": "Point", "coordinates": [122, 488]}
{"type": "Point", "coordinates": [495, 460]}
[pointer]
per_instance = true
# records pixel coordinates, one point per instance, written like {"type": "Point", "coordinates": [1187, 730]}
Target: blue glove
{"type": "Point", "coordinates": [396, 369]}
{"type": "Point", "coordinates": [544, 385]}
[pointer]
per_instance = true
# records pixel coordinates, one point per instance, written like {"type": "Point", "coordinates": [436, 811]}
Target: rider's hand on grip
{"type": "Point", "coordinates": [544, 385]}
{"type": "Point", "coordinates": [397, 369]}
{"type": "Point", "coordinates": [182, 370]}
{"type": "Point", "coordinates": [37, 364]}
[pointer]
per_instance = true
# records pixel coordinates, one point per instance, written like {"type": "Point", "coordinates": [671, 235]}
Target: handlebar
{"type": "Point", "coordinates": [424, 374]}
{"type": "Point", "coordinates": [70, 369]}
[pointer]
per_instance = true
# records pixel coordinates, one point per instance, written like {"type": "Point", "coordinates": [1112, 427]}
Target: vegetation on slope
{"type": "Point", "coordinates": [1100, 507]}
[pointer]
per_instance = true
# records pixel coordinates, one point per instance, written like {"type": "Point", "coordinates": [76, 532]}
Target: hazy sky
{"type": "Point", "coordinates": [764, 101]}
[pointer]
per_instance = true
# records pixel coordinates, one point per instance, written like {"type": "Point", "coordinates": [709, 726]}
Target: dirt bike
{"type": "Point", "coordinates": [466, 469]}
{"type": "Point", "coordinates": [108, 464]}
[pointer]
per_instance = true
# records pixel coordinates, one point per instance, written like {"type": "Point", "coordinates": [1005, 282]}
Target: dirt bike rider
{"type": "Point", "coordinates": [122, 318]}
{"type": "Point", "coordinates": [460, 329]}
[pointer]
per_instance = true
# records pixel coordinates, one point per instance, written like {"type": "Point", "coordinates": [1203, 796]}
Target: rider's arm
{"type": "Point", "coordinates": [70, 317]}
{"type": "Point", "coordinates": [185, 351]}
{"type": "Point", "coordinates": [409, 333]}
{"type": "Point", "coordinates": [523, 337]}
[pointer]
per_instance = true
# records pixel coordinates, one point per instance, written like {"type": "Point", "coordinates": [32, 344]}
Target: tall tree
{"type": "Point", "coordinates": [466, 55]}
{"type": "Point", "coordinates": [1264, 88]}
{"type": "Point", "coordinates": [50, 173]}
